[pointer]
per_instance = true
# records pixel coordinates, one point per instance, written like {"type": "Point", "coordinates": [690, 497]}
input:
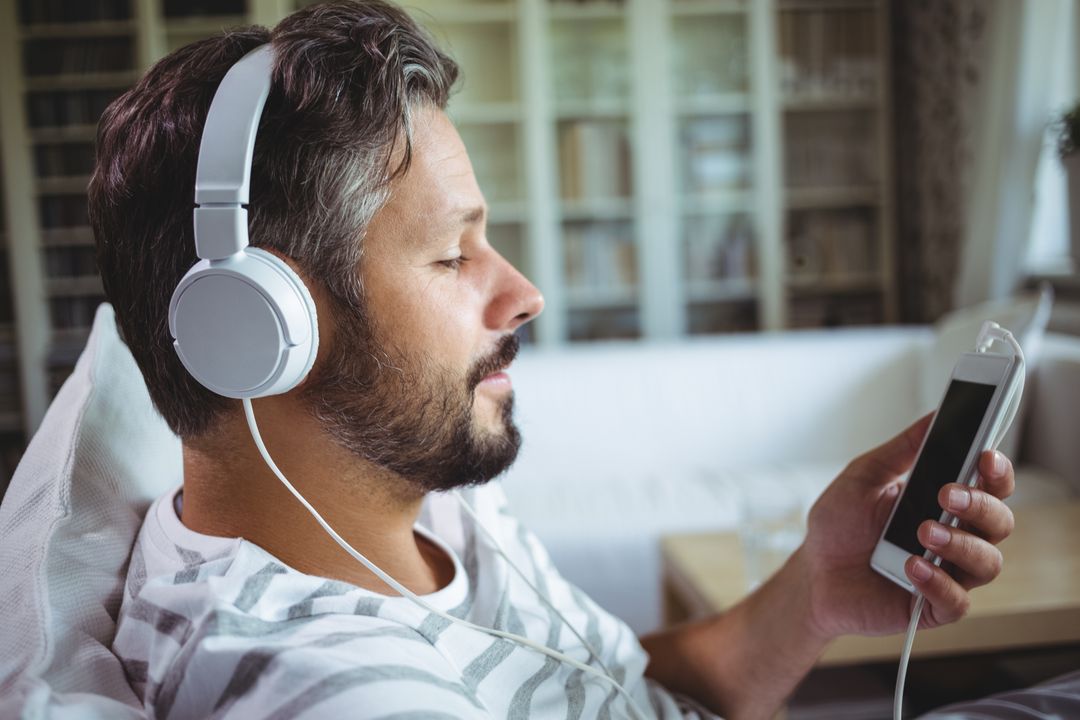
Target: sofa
{"type": "Point", "coordinates": [626, 442]}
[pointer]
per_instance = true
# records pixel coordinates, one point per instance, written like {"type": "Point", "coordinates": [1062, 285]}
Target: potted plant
{"type": "Point", "coordinates": [1069, 148]}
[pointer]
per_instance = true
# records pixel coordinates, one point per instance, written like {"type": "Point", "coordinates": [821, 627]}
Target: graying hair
{"type": "Point", "coordinates": [348, 77]}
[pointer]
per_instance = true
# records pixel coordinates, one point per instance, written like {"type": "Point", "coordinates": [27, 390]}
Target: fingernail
{"type": "Point", "coordinates": [938, 535]}
{"type": "Point", "coordinates": [920, 570]}
{"type": "Point", "coordinates": [999, 463]}
{"type": "Point", "coordinates": [959, 499]}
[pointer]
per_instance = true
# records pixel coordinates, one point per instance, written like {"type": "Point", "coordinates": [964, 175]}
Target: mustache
{"type": "Point", "coordinates": [503, 354]}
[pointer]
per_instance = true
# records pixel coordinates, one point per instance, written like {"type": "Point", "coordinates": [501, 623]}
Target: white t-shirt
{"type": "Point", "coordinates": [217, 627]}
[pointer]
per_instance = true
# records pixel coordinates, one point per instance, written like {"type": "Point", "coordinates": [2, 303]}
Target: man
{"type": "Point", "coordinates": [237, 604]}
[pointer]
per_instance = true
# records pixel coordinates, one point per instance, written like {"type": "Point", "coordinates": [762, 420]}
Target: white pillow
{"type": "Point", "coordinates": [67, 525]}
{"type": "Point", "coordinates": [1025, 317]}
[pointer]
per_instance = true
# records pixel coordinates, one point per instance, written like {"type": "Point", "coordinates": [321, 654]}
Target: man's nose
{"type": "Point", "coordinates": [517, 301]}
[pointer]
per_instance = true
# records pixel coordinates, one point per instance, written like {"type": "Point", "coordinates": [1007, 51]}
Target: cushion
{"type": "Point", "coordinates": [1025, 317]}
{"type": "Point", "coordinates": [1050, 429]}
{"type": "Point", "coordinates": [67, 525]}
{"type": "Point", "coordinates": [1055, 698]}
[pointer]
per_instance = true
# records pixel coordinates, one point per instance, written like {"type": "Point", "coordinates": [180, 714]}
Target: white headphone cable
{"type": "Point", "coordinates": [253, 427]}
{"type": "Point", "coordinates": [551, 606]}
{"type": "Point", "coordinates": [990, 332]}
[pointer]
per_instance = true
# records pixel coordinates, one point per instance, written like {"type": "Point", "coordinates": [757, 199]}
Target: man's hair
{"type": "Point", "coordinates": [347, 78]}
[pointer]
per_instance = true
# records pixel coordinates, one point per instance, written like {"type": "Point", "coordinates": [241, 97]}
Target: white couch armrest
{"type": "Point", "coordinates": [1051, 438]}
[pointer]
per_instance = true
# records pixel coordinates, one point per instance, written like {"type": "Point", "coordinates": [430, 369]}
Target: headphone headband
{"type": "Point", "coordinates": [223, 176]}
{"type": "Point", "coordinates": [228, 139]}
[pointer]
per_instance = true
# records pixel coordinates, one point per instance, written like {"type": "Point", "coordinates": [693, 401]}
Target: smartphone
{"type": "Point", "coordinates": [965, 424]}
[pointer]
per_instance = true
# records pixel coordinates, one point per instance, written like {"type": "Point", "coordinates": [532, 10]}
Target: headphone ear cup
{"type": "Point", "coordinates": [245, 326]}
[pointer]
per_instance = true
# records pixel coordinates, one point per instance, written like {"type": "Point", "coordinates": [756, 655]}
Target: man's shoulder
{"type": "Point", "coordinates": [243, 635]}
{"type": "Point", "coordinates": [236, 663]}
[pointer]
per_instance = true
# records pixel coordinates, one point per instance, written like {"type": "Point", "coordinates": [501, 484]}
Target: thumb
{"type": "Point", "coordinates": [885, 501]}
{"type": "Point", "coordinates": [897, 455]}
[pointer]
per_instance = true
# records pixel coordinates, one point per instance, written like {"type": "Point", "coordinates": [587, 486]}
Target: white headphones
{"type": "Point", "coordinates": [242, 322]}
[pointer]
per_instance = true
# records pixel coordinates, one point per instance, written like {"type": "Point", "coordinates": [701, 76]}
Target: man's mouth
{"type": "Point", "coordinates": [491, 371]}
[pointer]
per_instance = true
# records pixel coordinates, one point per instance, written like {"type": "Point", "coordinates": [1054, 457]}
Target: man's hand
{"type": "Point", "coordinates": [744, 661]}
{"type": "Point", "coordinates": [847, 597]}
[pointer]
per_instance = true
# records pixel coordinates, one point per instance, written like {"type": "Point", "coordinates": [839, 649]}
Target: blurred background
{"type": "Point", "coordinates": [660, 168]}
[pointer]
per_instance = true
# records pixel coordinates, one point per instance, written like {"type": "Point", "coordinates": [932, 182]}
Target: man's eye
{"type": "Point", "coordinates": [453, 263]}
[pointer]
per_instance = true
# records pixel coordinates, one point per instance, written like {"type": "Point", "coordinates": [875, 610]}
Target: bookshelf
{"type": "Point", "coordinates": [837, 164]}
{"type": "Point", "coordinates": [704, 166]}
{"type": "Point", "coordinates": [75, 59]}
{"type": "Point", "coordinates": [659, 168]}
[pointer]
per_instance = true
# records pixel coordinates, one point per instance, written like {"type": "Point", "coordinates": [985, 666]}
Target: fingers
{"type": "Point", "coordinates": [948, 600]}
{"type": "Point", "coordinates": [982, 512]}
{"type": "Point", "coordinates": [996, 474]}
{"type": "Point", "coordinates": [897, 455]}
{"type": "Point", "coordinates": [978, 561]}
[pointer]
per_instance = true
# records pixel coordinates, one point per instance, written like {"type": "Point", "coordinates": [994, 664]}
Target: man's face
{"type": "Point", "coordinates": [413, 381]}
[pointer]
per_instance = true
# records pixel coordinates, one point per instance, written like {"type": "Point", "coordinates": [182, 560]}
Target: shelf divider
{"type": "Point", "coordinates": [24, 255]}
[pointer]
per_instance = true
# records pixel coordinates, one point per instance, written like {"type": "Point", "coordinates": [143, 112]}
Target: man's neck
{"type": "Point", "coordinates": [229, 491]}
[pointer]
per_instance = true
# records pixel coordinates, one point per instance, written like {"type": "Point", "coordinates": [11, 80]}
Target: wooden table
{"type": "Point", "coordinates": [1034, 602]}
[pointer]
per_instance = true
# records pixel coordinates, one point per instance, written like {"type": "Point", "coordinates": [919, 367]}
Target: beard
{"type": "Point", "coordinates": [407, 413]}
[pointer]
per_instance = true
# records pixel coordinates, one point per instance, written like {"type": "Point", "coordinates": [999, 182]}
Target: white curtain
{"type": "Point", "coordinates": [1029, 58]}
{"type": "Point", "coordinates": [1048, 247]}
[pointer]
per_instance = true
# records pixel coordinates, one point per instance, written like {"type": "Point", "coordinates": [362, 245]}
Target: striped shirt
{"type": "Point", "coordinates": [216, 627]}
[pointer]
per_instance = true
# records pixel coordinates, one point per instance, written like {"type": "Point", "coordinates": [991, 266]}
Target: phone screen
{"type": "Point", "coordinates": [941, 460]}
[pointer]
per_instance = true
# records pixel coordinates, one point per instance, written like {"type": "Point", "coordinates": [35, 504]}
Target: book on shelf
{"type": "Point", "coordinates": [834, 311]}
{"type": "Point", "coordinates": [57, 376]}
{"type": "Point", "coordinates": [11, 450]}
{"type": "Point", "coordinates": [716, 154]}
{"type": "Point", "coordinates": [64, 159]}
{"type": "Point", "coordinates": [197, 8]}
{"type": "Point", "coordinates": [72, 261]}
{"type": "Point", "coordinates": [604, 324]}
{"type": "Point", "coordinates": [493, 150]}
{"type": "Point", "coordinates": [507, 240]}
{"type": "Point", "coordinates": [719, 248]}
{"type": "Point", "coordinates": [594, 160]}
{"type": "Point", "coordinates": [74, 312]}
{"type": "Point", "coordinates": [713, 318]}
{"type": "Point", "coordinates": [599, 256]}
{"type": "Point", "coordinates": [63, 211]}
{"type": "Point", "coordinates": [589, 60]}
{"type": "Point", "coordinates": [55, 108]}
{"type": "Point", "coordinates": [830, 149]}
{"type": "Point", "coordinates": [831, 244]}
{"type": "Point", "coordinates": [7, 308]}
{"type": "Point", "coordinates": [710, 55]}
{"type": "Point", "coordinates": [73, 56]}
{"type": "Point", "coordinates": [33, 12]}
{"type": "Point", "coordinates": [9, 388]}
{"type": "Point", "coordinates": [828, 53]}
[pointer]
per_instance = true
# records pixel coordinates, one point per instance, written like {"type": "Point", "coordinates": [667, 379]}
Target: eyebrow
{"type": "Point", "coordinates": [463, 218]}
{"type": "Point", "coordinates": [474, 215]}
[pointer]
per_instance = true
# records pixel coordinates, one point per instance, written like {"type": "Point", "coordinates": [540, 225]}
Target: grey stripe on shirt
{"type": "Point", "coordinates": [355, 677]}
{"type": "Point", "coordinates": [330, 588]}
{"type": "Point", "coordinates": [257, 661]}
{"type": "Point", "coordinates": [484, 663]}
{"type": "Point", "coordinates": [522, 701]}
{"type": "Point", "coordinates": [217, 623]}
{"type": "Point", "coordinates": [256, 585]}
{"type": "Point", "coordinates": [165, 622]}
